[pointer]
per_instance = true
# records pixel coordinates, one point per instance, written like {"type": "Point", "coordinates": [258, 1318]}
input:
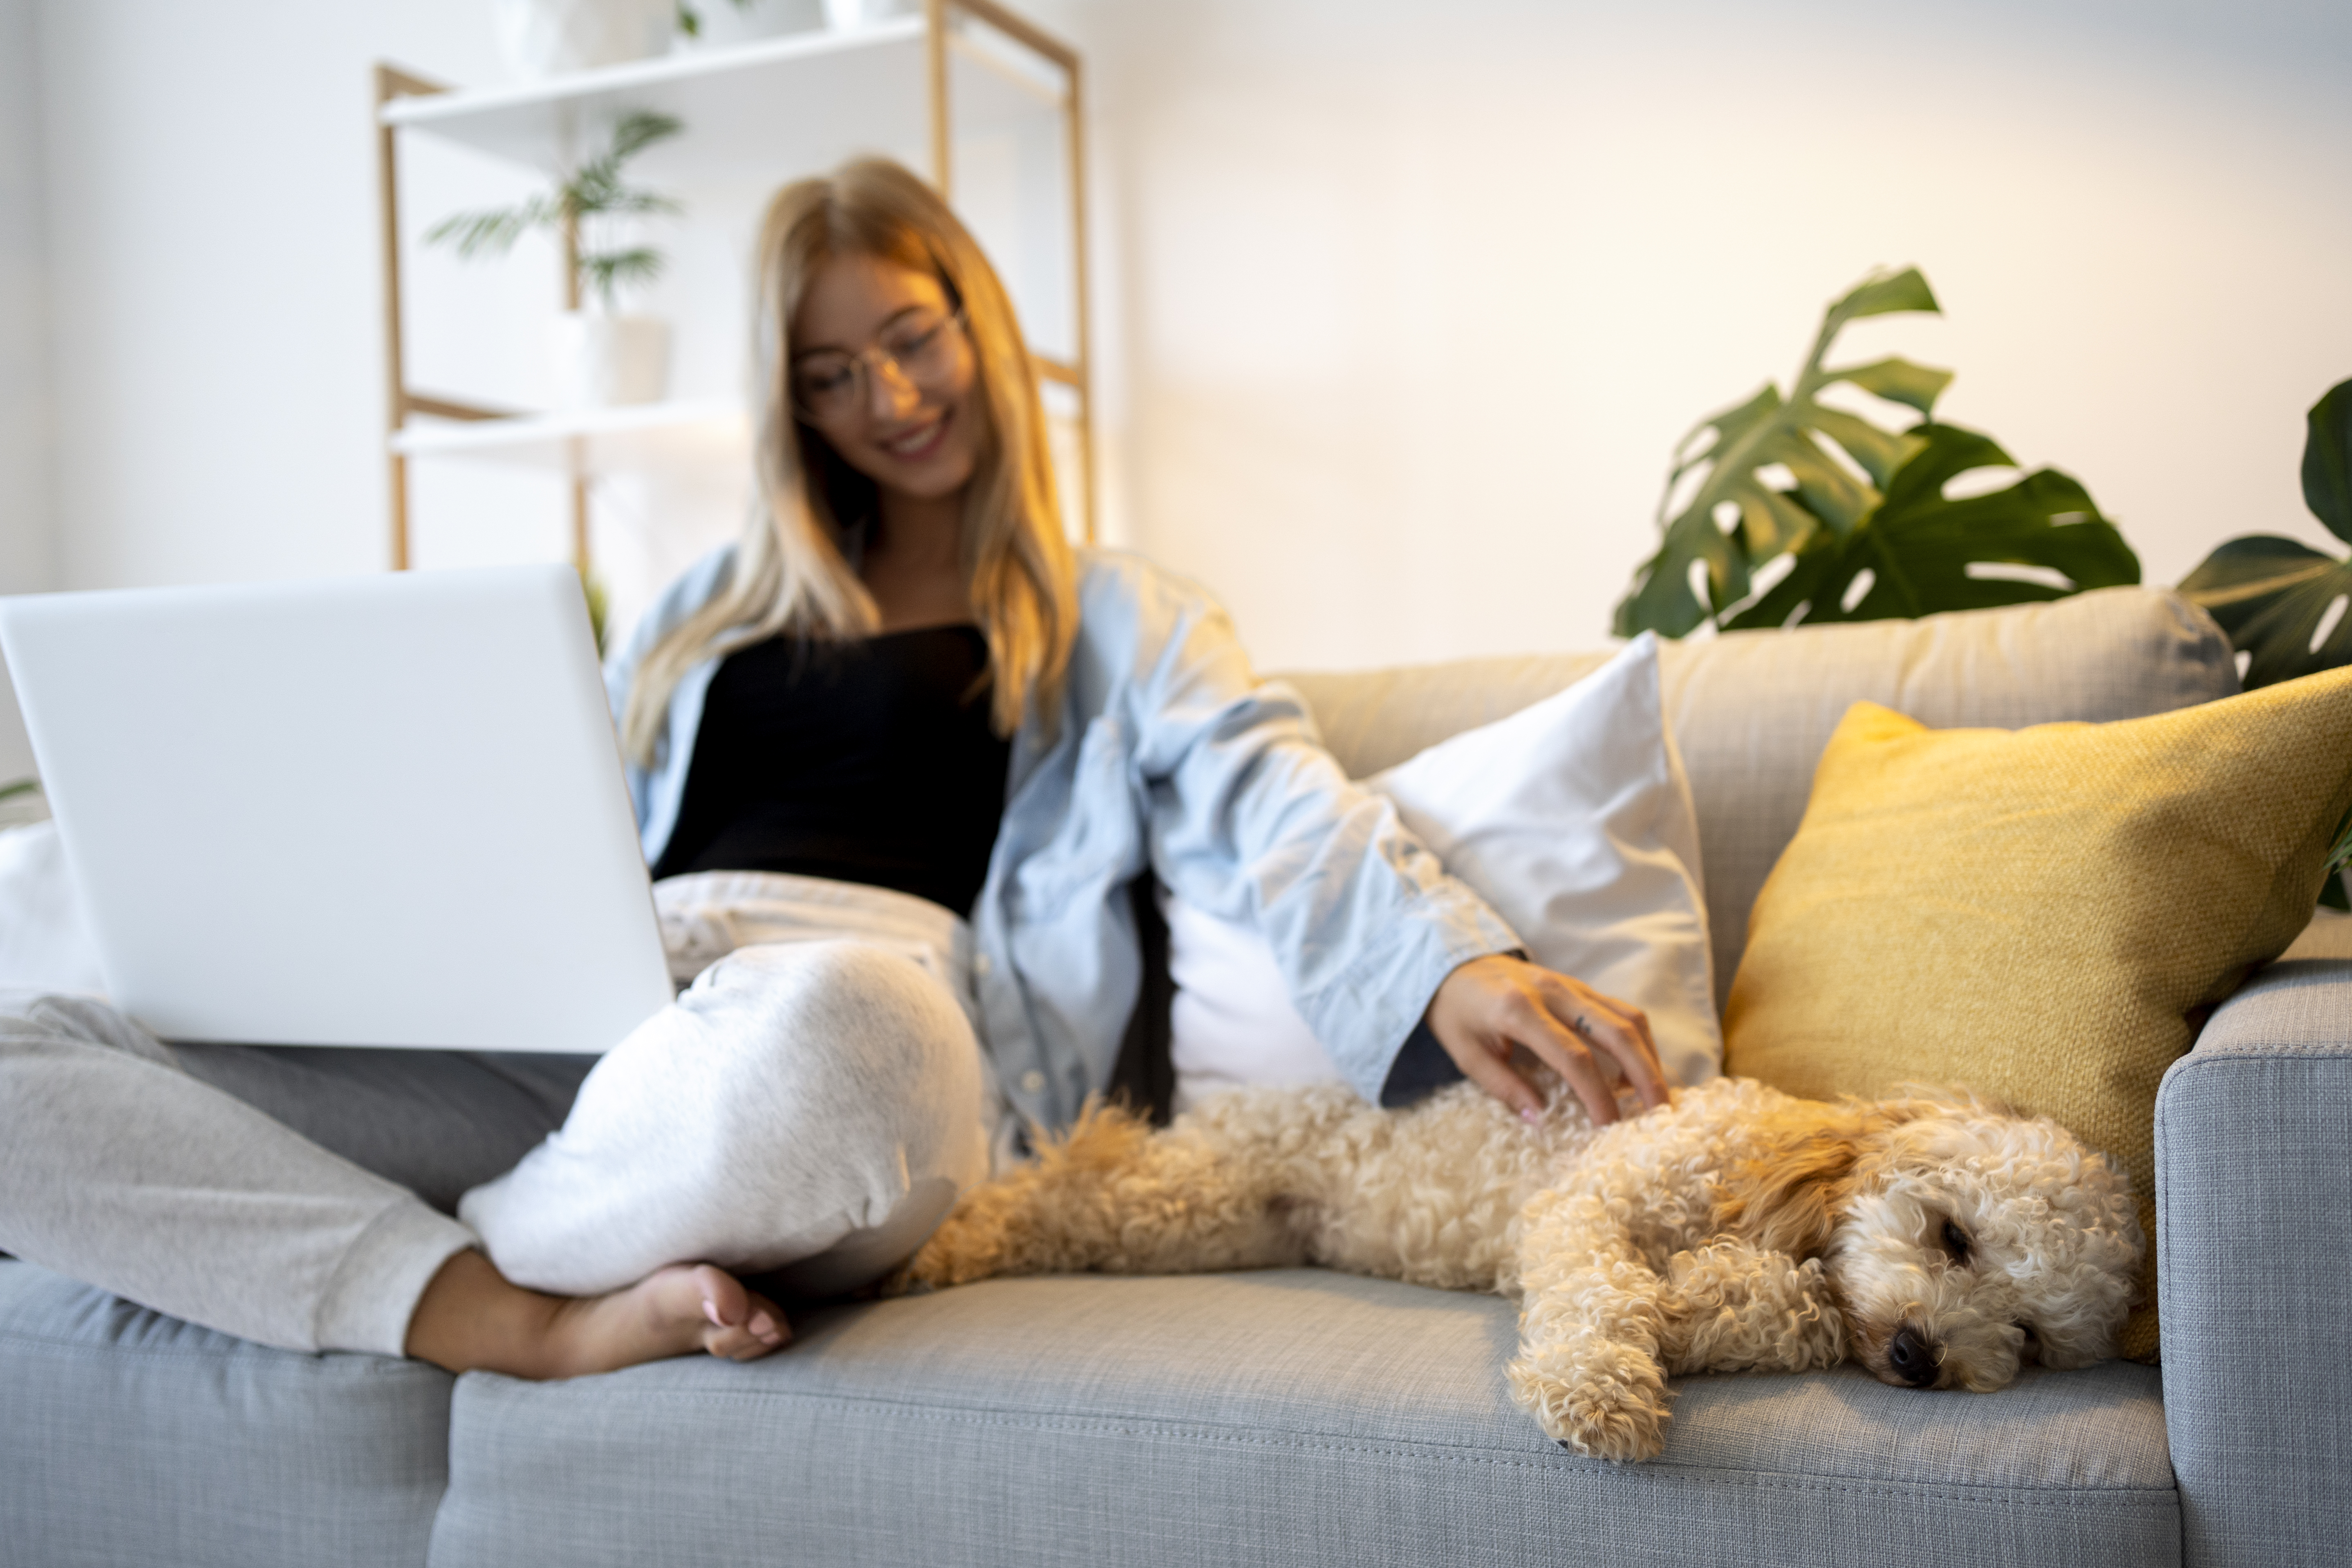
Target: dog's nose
{"type": "Point", "coordinates": [1912, 1357]}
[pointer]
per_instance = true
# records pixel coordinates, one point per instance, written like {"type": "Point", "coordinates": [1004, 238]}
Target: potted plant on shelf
{"type": "Point", "coordinates": [602, 356]}
{"type": "Point", "coordinates": [551, 37]}
{"type": "Point", "coordinates": [721, 24]}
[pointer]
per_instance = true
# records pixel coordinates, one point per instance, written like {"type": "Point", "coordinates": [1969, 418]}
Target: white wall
{"type": "Point", "coordinates": [1414, 301]}
{"type": "Point", "coordinates": [213, 234]}
{"type": "Point", "coordinates": [28, 539]}
{"type": "Point", "coordinates": [1402, 305]}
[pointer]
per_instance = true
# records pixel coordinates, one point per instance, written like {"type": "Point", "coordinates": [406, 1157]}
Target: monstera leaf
{"type": "Point", "coordinates": [1735, 446]}
{"type": "Point", "coordinates": [1918, 548]}
{"type": "Point", "coordinates": [2274, 596]}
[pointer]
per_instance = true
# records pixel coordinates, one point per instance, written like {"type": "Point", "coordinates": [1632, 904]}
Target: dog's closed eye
{"type": "Point", "coordinates": [1956, 1242]}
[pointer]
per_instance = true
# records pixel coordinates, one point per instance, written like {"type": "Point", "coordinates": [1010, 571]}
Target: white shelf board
{"type": "Point", "coordinates": [591, 441]}
{"type": "Point", "coordinates": [806, 99]}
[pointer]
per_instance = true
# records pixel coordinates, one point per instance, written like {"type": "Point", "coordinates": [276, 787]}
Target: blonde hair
{"type": "Point", "coordinates": [792, 569]}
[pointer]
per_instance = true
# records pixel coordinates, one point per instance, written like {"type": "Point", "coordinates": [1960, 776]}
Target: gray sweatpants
{"type": "Point", "coordinates": [813, 1103]}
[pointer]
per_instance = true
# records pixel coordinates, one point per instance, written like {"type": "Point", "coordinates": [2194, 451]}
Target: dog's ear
{"type": "Point", "coordinates": [1785, 1196]}
{"type": "Point", "coordinates": [1917, 1101]}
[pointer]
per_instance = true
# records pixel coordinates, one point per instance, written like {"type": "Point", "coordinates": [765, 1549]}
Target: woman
{"type": "Point", "coordinates": [898, 696]}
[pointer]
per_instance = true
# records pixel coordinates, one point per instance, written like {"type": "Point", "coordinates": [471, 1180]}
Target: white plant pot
{"type": "Point", "coordinates": [848, 16]}
{"type": "Point", "coordinates": [551, 37]}
{"type": "Point", "coordinates": [600, 361]}
{"type": "Point", "coordinates": [724, 24]}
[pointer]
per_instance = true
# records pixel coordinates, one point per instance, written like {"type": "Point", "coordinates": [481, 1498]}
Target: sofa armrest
{"type": "Point", "coordinates": [2254, 1195]}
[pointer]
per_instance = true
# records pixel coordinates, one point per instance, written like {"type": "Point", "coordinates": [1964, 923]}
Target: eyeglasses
{"type": "Point", "coordinates": [925, 349]}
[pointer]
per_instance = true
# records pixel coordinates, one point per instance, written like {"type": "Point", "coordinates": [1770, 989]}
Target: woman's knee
{"type": "Point", "coordinates": [841, 1038]}
{"type": "Point", "coordinates": [868, 1004]}
{"type": "Point", "coordinates": [794, 1099]}
{"type": "Point", "coordinates": [49, 1017]}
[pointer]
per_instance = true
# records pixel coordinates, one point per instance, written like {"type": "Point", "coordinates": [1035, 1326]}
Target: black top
{"type": "Point", "coordinates": [865, 762]}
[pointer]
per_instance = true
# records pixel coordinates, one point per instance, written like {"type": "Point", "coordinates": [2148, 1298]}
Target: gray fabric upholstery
{"type": "Point", "coordinates": [1300, 1418]}
{"type": "Point", "coordinates": [128, 1437]}
{"type": "Point", "coordinates": [2253, 1170]}
{"type": "Point", "coordinates": [1279, 1417]}
{"type": "Point", "coordinates": [1752, 710]}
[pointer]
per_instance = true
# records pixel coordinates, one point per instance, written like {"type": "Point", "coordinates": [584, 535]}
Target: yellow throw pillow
{"type": "Point", "coordinates": [2043, 915]}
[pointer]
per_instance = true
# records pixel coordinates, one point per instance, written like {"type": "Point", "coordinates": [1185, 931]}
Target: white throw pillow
{"type": "Point", "coordinates": [43, 944]}
{"type": "Point", "coordinates": [1572, 817]}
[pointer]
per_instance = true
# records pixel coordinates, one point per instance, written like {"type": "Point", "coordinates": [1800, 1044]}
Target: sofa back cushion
{"type": "Point", "coordinates": [1752, 710]}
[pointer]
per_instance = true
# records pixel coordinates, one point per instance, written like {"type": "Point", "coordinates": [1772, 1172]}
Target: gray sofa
{"type": "Point", "coordinates": [1300, 1416]}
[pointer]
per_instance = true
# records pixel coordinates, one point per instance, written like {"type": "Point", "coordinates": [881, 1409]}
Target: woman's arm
{"type": "Point", "coordinates": [1253, 820]}
{"type": "Point", "coordinates": [656, 784]}
{"type": "Point", "coordinates": [1490, 1004]}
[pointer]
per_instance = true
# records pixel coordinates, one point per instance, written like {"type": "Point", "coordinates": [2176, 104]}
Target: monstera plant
{"type": "Point", "coordinates": [1872, 533]}
{"type": "Point", "coordinates": [2281, 601]}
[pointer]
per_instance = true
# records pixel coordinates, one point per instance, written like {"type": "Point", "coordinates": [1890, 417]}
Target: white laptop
{"type": "Point", "coordinates": [380, 811]}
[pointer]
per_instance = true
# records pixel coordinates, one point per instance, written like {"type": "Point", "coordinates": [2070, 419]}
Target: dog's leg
{"type": "Point", "coordinates": [1735, 1307]}
{"type": "Point", "coordinates": [1112, 1196]}
{"type": "Point", "coordinates": [1592, 1317]}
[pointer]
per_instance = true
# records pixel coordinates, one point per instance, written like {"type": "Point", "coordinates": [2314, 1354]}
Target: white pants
{"type": "Point", "coordinates": [812, 1104]}
{"type": "Point", "coordinates": [815, 1099]}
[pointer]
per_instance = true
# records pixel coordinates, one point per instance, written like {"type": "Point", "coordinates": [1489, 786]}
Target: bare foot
{"type": "Point", "coordinates": [470, 1316]}
{"type": "Point", "coordinates": [672, 1311]}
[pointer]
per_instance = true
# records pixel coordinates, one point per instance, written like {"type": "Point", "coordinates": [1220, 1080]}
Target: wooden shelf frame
{"type": "Point", "coordinates": [401, 106]}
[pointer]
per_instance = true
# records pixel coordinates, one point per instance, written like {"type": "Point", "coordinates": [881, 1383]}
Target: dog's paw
{"type": "Point", "coordinates": [1609, 1423]}
{"type": "Point", "coordinates": [1602, 1415]}
{"type": "Point", "coordinates": [940, 1264]}
{"type": "Point", "coordinates": [902, 1281]}
{"type": "Point", "coordinates": [1731, 1306]}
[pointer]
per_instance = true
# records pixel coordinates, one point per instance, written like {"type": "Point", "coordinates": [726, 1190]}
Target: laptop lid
{"type": "Point", "coordinates": [380, 811]}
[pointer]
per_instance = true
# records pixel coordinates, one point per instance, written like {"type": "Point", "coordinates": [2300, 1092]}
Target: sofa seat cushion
{"type": "Point", "coordinates": [1283, 1416]}
{"type": "Point", "coordinates": [128, 1437]}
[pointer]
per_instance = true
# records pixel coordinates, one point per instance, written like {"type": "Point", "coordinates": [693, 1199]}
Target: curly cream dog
{"type": "Point", "coordinates": [1939, 1243]}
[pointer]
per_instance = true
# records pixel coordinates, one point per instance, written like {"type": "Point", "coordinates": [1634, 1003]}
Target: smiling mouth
{"type": "Point", "coordinates": [920, 442]}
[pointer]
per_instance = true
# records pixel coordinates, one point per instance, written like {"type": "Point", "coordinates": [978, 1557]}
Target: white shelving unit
{"type": "Point", "coordinates": [962, 72]}
{"type": "Point", "coordinates": [588, 443]}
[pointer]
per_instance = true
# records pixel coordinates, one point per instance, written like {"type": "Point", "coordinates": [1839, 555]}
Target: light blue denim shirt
{"type": "Point", "coordinates": [1170, 753]}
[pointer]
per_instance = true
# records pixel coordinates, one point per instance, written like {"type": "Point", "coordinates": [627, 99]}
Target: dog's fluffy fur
{"type": "Point", "coordinates": [1939, 1242]}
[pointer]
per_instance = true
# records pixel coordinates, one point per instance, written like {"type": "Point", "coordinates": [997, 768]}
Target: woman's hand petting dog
{"type": "Point", "coordinates": [1489, 1006]}
{"type": "Point", "coordinates": [1939, 1242]}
